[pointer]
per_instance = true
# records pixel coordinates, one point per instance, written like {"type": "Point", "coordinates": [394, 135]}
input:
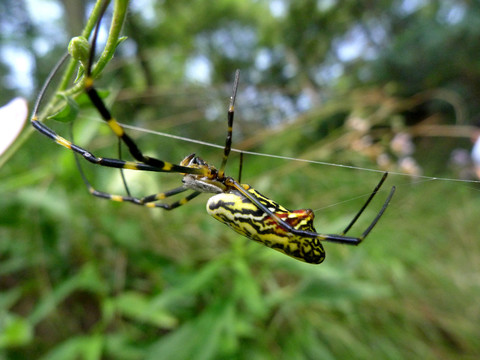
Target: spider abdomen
{"type": "Point", "coordinates": [240, 214]}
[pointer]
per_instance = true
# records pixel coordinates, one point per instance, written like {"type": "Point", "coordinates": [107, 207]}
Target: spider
{"type": "Point", "coordinates": [237, 205]}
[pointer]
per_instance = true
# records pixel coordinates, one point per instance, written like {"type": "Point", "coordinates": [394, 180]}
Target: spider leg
{"type": "Point", "coordinates": [144, 163]}
{"type": "Point", "coordinates": [342, 239]}
{"type": "Point", "coordinates": [374, 192]}
{"type": "Point", "coordinates": [349, 240]}
{"type": "Point", "coordinates": [148, 201]}
{"type": "Point", "coordinates": [240, 168]}
{"type": "Point", "coordinates": [151, 201]}
{"type": "Point", "coordinates": [160, 166]}
{"type": "Point", "coordinates": [122, 173]}
{"type": "Point", "coordinates": [119, 131]}
{"type": "Point", "coordinates": [231, 112]}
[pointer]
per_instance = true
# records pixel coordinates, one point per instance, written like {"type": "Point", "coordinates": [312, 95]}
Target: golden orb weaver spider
{"type": "Point", "coordinates": [237, 205]}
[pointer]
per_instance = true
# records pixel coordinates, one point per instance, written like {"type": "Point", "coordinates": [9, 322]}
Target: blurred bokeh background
{"type": "Point", "coordinates": [385, 85]}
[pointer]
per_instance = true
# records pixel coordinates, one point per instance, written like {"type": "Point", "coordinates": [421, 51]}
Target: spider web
{"type": "Point", "coordinates": [316, 162]}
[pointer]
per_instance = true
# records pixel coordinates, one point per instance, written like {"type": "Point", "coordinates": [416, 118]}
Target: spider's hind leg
{"type": "Point", "coordinates": [362, 209]}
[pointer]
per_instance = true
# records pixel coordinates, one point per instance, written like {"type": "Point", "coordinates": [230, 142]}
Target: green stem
{"type": "Point", "coordinates": [119, 13]}
{"type": "Point", "coordinates": [92, 20]}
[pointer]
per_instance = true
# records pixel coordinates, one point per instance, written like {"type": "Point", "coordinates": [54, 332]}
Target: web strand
{"type": "Point", "coordinates": [316, 162]}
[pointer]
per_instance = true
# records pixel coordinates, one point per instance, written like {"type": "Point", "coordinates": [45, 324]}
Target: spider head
{"type": "Point", "coordinates": [193, 161]}
{"type": "Point", "coordinates": [206, 182]}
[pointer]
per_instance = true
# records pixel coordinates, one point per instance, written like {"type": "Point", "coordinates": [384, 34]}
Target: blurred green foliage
{"type": "Point", "coordinates": [82, 278]}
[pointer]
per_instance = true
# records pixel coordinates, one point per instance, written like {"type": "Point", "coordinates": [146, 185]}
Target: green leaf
{"type": "Point", "coordinates": [122, 345]}
{"type": "Point", "coordinates": [68, 112]}
{"type": "Point", "coordinates": [195, 284]}
{"type": "Point", "coordinates": [83, 100]}
{"type": "Point", "coordinates": [87, 279]}
{"type": "Point", "coordinates": [337, 290]}
{"type": "Point", "coordinates": [247, 288]}
{"type": "Point", "coordinates": [14, 330]}
{"type": "Point", "coordinates": [120, 40]}
{"type": "Point", "coordinates": [80, 347]}
{"type": "Point", "coordinates": [138, 307]}
{"type": "Point", "coordinates": [80, 72]}
{"type": "Point", "coordinates": [200, 339]}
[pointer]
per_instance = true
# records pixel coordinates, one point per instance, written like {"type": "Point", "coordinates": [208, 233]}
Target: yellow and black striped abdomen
{"type": "Point", "coordinates": [240, 214]}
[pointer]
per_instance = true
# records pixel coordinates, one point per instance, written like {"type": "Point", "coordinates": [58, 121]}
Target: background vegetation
{"type": "Point", "coordinates": [358, 83]}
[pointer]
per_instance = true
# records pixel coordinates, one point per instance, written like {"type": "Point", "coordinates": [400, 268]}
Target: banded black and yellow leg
{"type": "Point", "coordinates": [151, 201]}
{"type": "Point", "coordinates": [110, 162]}
{"type": "Point", "coordinates": [148, 201]}
{"type": "Point", "coordinates": [159, 166]}
{"type": "Point", "coordinates": [117, 129]}
{"type": "Point", "coordinates": [228, 141]}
